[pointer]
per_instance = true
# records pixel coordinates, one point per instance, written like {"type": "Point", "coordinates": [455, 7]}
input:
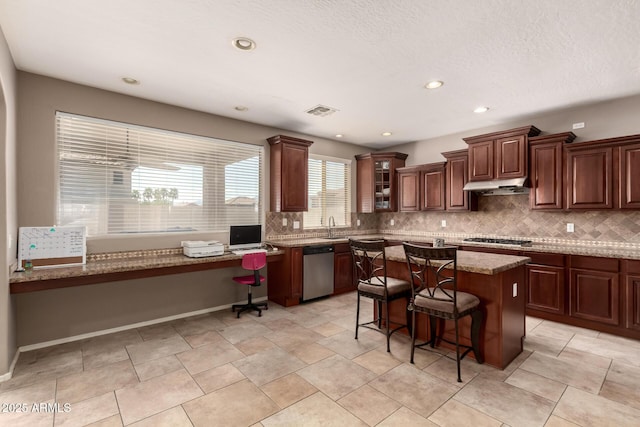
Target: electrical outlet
{"type": "Point", "coordinates": [392, 222]}
{"type": "Point", "coordinates": [358, 222]}
{"type": "Point", "coordinates": [284, 222]}
{"type": "Point", "coordinates": [443, 223]}
{"type": "Point", "coordinates": [578, 125]}
{"type": "Point", "coordinates": [515, 290]}
{"type": "Point", "coordinates": [570, 227]}
{"type": "Point", "coordinates": [296, 225]}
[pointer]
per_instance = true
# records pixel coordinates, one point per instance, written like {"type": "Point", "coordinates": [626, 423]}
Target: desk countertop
{"type": "Point", "coordinates": [122, 266]}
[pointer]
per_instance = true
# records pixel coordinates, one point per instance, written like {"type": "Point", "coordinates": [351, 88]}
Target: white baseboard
{"type": "Point", "coordinates": [8, 375]}
{"type": "Point", "coordinates": [36, 346]}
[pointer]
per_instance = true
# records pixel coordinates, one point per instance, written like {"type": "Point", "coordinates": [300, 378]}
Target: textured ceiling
{"type": "Point", "coordinates": [369, 59]}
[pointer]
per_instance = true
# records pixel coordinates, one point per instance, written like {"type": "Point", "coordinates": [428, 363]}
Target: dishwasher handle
{"type": "Point", "coordinates": [315, 250]}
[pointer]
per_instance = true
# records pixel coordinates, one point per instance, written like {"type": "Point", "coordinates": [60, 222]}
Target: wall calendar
{"type": "Point", "coordinates": [51, 247]}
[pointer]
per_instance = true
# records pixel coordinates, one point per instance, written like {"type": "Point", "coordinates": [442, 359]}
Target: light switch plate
{"type": "Point", "coordinates": [296, 225]}
{"type": "Point", "coordinates": [284, 222]}
{"type": "Point", "coordinates": [443, 223]}
{"type": "Point", "coordinates": [392, 222]}
{"type": "Point", "coordinates": [570, 227]}
{"type": "Point", "coordinates": [515, 289]}
{"type": "Point", "coordinates": [358, 222]}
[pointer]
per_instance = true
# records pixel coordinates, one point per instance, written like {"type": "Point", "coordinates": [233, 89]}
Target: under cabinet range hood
{"type": "Point", "coordinates": [498, 187]}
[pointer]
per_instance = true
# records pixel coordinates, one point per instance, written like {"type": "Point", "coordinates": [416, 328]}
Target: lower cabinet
{"type": "Point", "coordinates": [631, 277]}
{"type": "Point", "coordinates": [285, 278]}
{"type": "Point", "coordinates": [343, 279]}
{"type": "Point", "coordinates": [546, 282]}
{"type": "Point", "coordinates": [595, 289]}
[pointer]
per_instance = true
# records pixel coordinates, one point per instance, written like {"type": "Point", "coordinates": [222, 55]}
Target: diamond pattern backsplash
{"type": "Point", "coordinates": [500, 216]}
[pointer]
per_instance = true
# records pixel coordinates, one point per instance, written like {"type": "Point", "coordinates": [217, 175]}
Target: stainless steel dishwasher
{"type": "Point", "coordinates": [317, 271]}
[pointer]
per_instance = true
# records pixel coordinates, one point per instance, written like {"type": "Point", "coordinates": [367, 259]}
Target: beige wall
{"type": "Point", "coordinates": [602, 120]}
{"type": "Point", "coordinates": [51, 315]}
{"type": "Point", "coordinates": [8, 211]}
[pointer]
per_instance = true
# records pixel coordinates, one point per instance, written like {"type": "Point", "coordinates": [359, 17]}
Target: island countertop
{"type": "Point", "coordinates": [472, 262]}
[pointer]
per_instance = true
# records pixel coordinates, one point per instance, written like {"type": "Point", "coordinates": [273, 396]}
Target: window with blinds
{"type": "Point", "coordinates": [118, 178]}
{"type": "Point", "coordinates": [329, 192]}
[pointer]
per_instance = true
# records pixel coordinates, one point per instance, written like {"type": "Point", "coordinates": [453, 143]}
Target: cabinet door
{"type": "Point", "coordinates": [409, 191]}
{"type": "Point", "coordinates": [432, 190]}
{"type": "Point", "coordinates": [365, 187]}
{"type": "Point", "coordinates": [511, 157]}
{"type": "Point", "coordinates": [546, 176]}
{"type": "Point", "coordinates": [295, 292]}
{"type": "Point", "coordinates": [343, 273]}
{"type": "Point", "coordinates": [546, 288]}
{"type": "Point", "coordinates": [630, 176]}
{"type": "Point", "coordinates": [481, 161]}
{"type": "Point", "coordinates": [294, 178]}
{"type": "Point", "coordinates": [633, 301]}
{"type": "Point", "coordinates": [589, 179]}
{"type": "Point", "coordinates": [595, 296]}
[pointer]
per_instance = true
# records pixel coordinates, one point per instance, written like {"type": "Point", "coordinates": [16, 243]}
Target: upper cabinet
{"type": "Point", "coordinates": [500, 155]}
{"type": "Point", "coordinates": [456, 176]}
{"type": "Point", "coordinates": [289, 160]}
{"type": "Point", "coordinates": [376, 181]}
{"type": "Point", "coordinates": [421, 188]}
{"type": "Point", "coordinates": [546, 170]}
{"type": "Point", "coordinates": [629, 175]}
{"type": "Point", "coordinates": [603, 174]}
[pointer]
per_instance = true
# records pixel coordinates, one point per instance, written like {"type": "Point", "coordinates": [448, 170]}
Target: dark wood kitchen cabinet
{"type": "Point", "coordinates": [631, 280]}
{"type": "Point", "coordinates": [421, 188]}
{"type": "Point", "coordinates": [343, 278]}
{"type": "Point", "coordinates": [603, 174]}
{"type": "Point", "coordinates": [546, 171]}
{"type": "Point", "coordinates": [376, 189]}
{"type": "Point", "coordinates": [546, 282]}
{"type": "Point", "coordinates": [589, 177]}
{"type": "Point", "coordinates": [285, 278]}
{"type": "Point", "coordinates": [595, 289]}
{"type": "Point", "coordinates": [288, 168]}
{"type": "Point", "coordinates": [500, 155]}
{"type": "Point", "coordinates": [629, 176]}
{"type": "Point", "coordinates": [456, 176]}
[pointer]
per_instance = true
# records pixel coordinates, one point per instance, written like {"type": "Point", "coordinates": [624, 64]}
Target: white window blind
{"type": "Point", "coordinates": [119, 178]}
{"type": "Point", "coordinates": [329, 192]}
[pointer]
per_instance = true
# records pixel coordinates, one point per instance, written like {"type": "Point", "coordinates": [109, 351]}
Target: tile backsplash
{"type": "Point", "coordinates": [503, 216]}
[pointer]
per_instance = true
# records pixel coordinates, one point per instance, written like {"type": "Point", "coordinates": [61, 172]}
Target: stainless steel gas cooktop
{"type": "Point", "coordinates": [499, 241]}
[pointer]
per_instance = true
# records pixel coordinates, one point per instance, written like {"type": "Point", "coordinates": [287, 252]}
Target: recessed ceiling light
{"type": "Point", "coordinates": [386, 134]}
{"type": "Point", "coordinates": [481, 110]}
{"type": "Point", "coordinates": [240, 108]}
{"type": "Point", "coordinates": [130, 81]}
{"type": "Point", "coordinates": [339, 135]}
{"type": "Point", "coordinates": [243, 43]}
{"type": "Point", "coordinates": [435, 84]}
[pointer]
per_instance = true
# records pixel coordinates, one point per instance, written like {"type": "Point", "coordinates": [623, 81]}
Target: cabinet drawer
{"type": "Point", "coordinates": [339, 248]}
{"type": "Point", "coordinates": [631, 266]}
{"type": "Point", "coordinates": [595, 263]}
{"type": "Point", "coordinates": [556, 260]}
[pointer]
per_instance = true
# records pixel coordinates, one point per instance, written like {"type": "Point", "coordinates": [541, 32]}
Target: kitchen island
{"type": "Point", "coordinates": [498, 281]}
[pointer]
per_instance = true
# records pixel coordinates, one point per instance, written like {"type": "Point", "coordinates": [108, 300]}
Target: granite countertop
{"type": "Point", "coordinates": [472, 262]}
{"type": "Point", "coordinates": [577, 248]}
{"type": "Point", "coordinates": [117, 262]}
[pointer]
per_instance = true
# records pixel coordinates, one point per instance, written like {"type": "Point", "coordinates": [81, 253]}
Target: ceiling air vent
{"type": "Point", "coordinates": [321, 110]}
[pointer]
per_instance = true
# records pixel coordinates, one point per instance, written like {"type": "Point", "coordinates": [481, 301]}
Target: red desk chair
{"type": "Point", "coordinates": [254, 262]}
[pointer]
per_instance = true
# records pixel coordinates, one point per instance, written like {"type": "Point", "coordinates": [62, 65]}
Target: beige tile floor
{"type": "Point", "coordinates": [301, 366]}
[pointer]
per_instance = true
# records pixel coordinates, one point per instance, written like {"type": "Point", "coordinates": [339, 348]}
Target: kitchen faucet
{"type": "Point", "coordinates": [332, 223]}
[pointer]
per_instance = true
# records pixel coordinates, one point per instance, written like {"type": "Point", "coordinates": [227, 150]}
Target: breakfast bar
{"type": "Point", "coordinates": [498, 281]}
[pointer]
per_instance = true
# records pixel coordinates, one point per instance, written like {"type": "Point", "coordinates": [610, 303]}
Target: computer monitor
{"type": "Point", "coordinates": [245, 237]}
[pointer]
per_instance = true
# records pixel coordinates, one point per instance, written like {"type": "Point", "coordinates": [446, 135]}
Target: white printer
{"type": "Point", "coordinates": [202, 248]}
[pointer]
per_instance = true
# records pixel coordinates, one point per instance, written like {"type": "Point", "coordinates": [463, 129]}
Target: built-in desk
{"type": "Point", "coordinates": [499, 282]}
{"type": "Point", "coordinates": [101, 268]}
